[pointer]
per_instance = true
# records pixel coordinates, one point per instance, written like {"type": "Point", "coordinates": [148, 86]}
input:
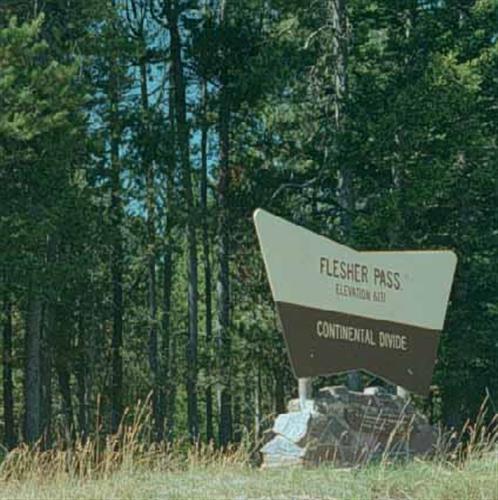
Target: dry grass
{"type": "Point", "coordinates": [129, 465]}
{"type": "Point", "coordinates": [477, 479]}
{"type": "Point", "coordinates": [99, 457]}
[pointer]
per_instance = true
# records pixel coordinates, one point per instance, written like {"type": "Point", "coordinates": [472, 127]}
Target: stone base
{"type": "Point", "coordinates": [347, 428]}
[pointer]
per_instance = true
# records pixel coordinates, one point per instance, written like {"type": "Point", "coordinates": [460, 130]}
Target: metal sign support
{"type": "Point", "coordinates": [304, 391]}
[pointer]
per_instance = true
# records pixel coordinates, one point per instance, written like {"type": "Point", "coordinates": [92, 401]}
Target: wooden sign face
{"type": "Point", "coordinates": [345, 310]}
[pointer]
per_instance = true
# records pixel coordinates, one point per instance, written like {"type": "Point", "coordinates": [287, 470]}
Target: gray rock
{"type": "Point", "coordinates": [373, 391]}
{"type": "Point", "coordinates": [282, 446]}
{"type": "Point", "coordinates": [347, 428]}
{"type": "Point", "coordinates": [293, 426]}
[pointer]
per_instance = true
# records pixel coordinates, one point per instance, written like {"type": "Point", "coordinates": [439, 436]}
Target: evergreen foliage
{"type": "Point", "coordinates": [138, 136]}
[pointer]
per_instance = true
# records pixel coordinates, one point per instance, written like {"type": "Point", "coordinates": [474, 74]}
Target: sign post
{"type": "Point", "coordinates": [305, 391]}
{"type": "Point", "coordinates": [344, 310]}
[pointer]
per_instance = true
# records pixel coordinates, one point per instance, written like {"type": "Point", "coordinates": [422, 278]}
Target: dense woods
{"type": "Point", "coordinates": [138, 136]}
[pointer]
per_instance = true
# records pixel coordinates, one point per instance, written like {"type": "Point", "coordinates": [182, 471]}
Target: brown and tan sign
{"type": "Point", "coordinates": [342, 310]}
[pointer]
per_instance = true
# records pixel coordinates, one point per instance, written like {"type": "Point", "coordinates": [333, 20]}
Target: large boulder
{"type": "Point", "coordinates": [347, 428]}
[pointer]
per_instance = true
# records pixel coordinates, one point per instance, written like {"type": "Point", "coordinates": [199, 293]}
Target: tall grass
{"type": "Point", "coordinates": [132, 448]}
{"type": "Point", "coordinates": [476, 438]}
{"type": "Point", "coordinates": [100, 456]}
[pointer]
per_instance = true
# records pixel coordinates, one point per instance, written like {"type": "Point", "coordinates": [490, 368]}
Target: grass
{"type": "Point", "coordinates": [477, 479]}
{"type": "Point", "coordinates": [128, 466]}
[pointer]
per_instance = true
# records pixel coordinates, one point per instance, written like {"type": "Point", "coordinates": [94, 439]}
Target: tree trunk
{"type": "Point", "coordinates": [279, 391]}
{"type": "Point", "coordinates": [46, 360]}
{"type": "Point", "coordinates": [64, 378]}
{"type": "Point", "coordinates": [206, 260]}
{"type": "Point", "coordinates": [182, 139]}
{"type": "Point", "coordinates": [237, 414]}
{"type": "Point", "coordinates": [32, 429]}
{"type": "Point", "coordinates": [148, 166]}
{"type": "Point", "coordinates": [56, 343]}
{"type": "Point", "coordinates": [116, 216]}
{"type": "Point", "coordinates": [169, 341]}
{"type": "Point", "coordinates": [168, 393]}
{"type": "Point", "coordinates": [257, 403]}
{"type": "Point", "coordinates": [8, 384]}
{"type": "Point", "coordinates": [249, 407]}
{"type": "Point", "coordinates": [223, 292]}
{"type": "Point", "coordinates": [82, 366]}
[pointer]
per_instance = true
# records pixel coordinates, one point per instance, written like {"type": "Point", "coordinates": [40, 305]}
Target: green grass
{"type": "Point", "coordinates": [476, 479]}
{"type": "Point", "coordinates": [128, 465]}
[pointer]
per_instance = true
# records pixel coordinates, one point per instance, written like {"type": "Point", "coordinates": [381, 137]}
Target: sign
{"type": "Point", "coordinates": [344, 310]}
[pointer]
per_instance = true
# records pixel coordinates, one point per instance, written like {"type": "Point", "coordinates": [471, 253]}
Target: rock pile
{"type": "Point", "coordinates": [347, 428]}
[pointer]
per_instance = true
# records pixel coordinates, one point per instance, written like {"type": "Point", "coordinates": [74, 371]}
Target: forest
{"type": "Point", "coordinates": [137, 137]}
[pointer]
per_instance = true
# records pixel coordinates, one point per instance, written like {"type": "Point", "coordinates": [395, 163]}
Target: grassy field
{"type": "Point", "coordinates": [476, 479]}
{"type": "Point", "coordinates": [127, 465]}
